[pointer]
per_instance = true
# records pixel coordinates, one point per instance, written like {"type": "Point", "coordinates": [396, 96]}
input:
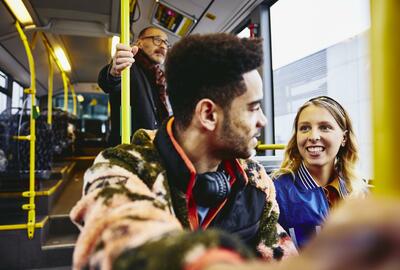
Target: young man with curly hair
{"type": "Point", "coordinates": [194, 173]}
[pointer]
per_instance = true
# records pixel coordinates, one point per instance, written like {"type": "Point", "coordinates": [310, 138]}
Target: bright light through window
{"type": "Point", "coordinates": [17, 95]}
{"type": "Point", "coordinates": [3, 80]}
{"type": "Point", "coordinates": [300, 28]}
{"type": "Point", "coordinates": [245, 33]}
{"type": "Point", "coordinates": [63, 59]}
{"type": "Point", "coordinates": [20, 11]}
{"type": "Point", "coordinates": [3, 102]}
{"type": "Point", "coordinates": [114, 42]}
{"type": "Point", "coordinates": [321, 47]}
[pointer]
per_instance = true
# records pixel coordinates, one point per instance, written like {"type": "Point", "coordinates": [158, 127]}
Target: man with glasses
{"type": "Point", "coordinates": [149, 99]}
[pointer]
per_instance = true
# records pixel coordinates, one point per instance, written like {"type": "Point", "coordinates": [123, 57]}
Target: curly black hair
{"type": "Point", "coordinates": [209, 66]}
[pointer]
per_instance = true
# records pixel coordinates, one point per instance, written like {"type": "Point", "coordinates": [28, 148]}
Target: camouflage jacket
{"type": "Point", "coordinates": [148, 184]}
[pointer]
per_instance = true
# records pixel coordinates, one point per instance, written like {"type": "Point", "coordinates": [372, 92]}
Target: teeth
{"type": "Point", "coordinates": [315, 149]}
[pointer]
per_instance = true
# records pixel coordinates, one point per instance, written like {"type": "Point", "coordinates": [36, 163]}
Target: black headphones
{"type": "Point", "coordinates": [211, 188]}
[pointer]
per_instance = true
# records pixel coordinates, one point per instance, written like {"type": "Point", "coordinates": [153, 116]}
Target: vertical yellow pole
{"type": "Point", "coordinates": [65, 83]}
{"type": "Point", "coordinates": [50, 90]}
{"type": "Point", "coordinates": [73, 98]}
{"type": "Point", "coordinates": [30, 207]}
{"type": "Point", "coordinates": [64, 76]}
{"type": "Point", "coordinates": [385, 49]}
{"type": "Point", "coordinates": [125, 96]}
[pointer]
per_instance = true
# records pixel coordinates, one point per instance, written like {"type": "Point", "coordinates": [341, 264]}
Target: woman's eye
{"type": "Point", "coordinates": [325, 127]}
{"type": "Point", "coordinates": [304, 128]}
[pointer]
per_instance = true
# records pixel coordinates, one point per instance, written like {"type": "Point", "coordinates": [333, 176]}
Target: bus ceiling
{"type": "Point", "coordinates": [83, 30]}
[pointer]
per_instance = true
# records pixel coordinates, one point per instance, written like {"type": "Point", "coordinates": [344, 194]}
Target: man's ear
{"type": "Point", "coordinates": [206, 113]}
{"type": "Point", "coordinates": [138, 43]}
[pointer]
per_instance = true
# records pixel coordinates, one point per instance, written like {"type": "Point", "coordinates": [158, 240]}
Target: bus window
{"type": "Point", "coordinates": [3, 80]}
{"type": "Point", "coordinates": [94, 106]}
{"type": "Point", "coordinates": [3, 102]}
{"type": "Point", "coordinates": [321, 55]}
{"type": "Point", "coordinates": [29, 103]}
{"type": "Point", "coordinates": [17, 95]}
{"type": "Point", "coordinates": [245, 33]}
{"type": "Point", "coordinates": [58, 102]}
{"type": "Point", "coordinates": [3, 96]}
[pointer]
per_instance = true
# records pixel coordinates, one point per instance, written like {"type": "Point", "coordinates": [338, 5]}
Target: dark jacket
{"type": "Point", "coordinates": [144, 109]}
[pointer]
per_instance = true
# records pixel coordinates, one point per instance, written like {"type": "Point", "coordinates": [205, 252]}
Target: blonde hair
{"type": "Point", "coordinates": [347, 156]}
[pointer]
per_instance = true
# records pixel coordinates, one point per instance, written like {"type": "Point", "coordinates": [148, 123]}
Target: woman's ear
{"type": "Point", "coordinates": [345, 135]}
{"type": "Point", "coordinates": [206, 114]}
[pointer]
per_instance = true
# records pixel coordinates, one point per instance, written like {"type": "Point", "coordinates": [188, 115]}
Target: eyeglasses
{"type": "Point", "coordinates": [157, 41]}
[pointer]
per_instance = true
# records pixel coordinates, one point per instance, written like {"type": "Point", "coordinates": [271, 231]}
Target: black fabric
{"type": "Point", "coordinates": [211, 188]}
{"type": "Point", "coordinates": [244, 207]}
{"type": "Point", "coordinates": [156, 77]}
{"type": "Point", "coordinates": [144, 112]}
{"type": "Point", "coordinates": [242, 212]}
{"type": "Point", "coordinates": [177, 173]}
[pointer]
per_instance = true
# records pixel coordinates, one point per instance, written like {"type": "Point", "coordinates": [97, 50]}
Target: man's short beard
{"type": "Point", "coordinates": [235, 150]}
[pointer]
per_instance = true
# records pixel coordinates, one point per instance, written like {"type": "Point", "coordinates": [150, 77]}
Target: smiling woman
{"type": "Point", "coordinates": [318, 168]}
{"type": "Point", "coordinates": [330, 58]}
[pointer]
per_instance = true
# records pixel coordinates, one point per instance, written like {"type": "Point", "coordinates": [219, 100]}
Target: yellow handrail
{"type": "Point", "coordinates": [22, 138]}
{"type": "Point", "coordinates": [50, 85]}
{"type": "Point", "coordinates": [125, 95]}
{"type": "Point", "coordinates": [51, 51]}
{"type": "Point", "coordinates": [65, 83]}
{"type": "Point", "coordinates": [71, 86]}
{"type": "Point", "coordinates": [65, 79]}
{"type": "Point", "coordinates": [385, 50]}
{"type": "Point", "coordinates": [30, 207]}
{"type": "Point", "coordinates": [39, 224]}
{"type": "Point", "coordinates": [262, 147]}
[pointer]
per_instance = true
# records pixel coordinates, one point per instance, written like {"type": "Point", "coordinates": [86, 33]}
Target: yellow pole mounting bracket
{"type": "Point", "coordinates": [28, 193]}
{"type": "Point", "coordinates": [28, 206]}
{"type": "Point", "coordinates": [31, 223]}
{"type": "Point", "coordinates": [29, 91]}
{"type": "Point", "coordinates": [22, 138]}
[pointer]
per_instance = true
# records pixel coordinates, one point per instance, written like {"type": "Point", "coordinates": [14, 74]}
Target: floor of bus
{"type": "Point", "coordinates": [52, 245]}
{"type": "Point", "coordinates": [71, 194]}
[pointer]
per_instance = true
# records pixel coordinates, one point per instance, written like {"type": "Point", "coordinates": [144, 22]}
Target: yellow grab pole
{"type": "Point", "coordinates": [73, 98]}
{"type": "Point", "coordinates": [385, 50]}
{"type": "Point", "coordinates": [65, 83]}
{"type": "Point", "coordinates": [125, 96]}
{"type": "Point", "coordinates": [50, 50]}
{"type": "Point", "coordinates": [262, 147]}
{"type": "Point", "coordinates": [50, 88]}
{"type": "Point", "coordinates": [30, 207]}
{"type": "Point", "coordinates": [51, 75]}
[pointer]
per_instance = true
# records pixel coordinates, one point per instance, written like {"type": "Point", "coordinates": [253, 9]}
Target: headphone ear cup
{"type": "Point", "coordinates": [211, 189]}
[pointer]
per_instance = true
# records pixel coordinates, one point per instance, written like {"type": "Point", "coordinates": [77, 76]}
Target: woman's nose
{"type": "Point", "coordinates": [314, 135]}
